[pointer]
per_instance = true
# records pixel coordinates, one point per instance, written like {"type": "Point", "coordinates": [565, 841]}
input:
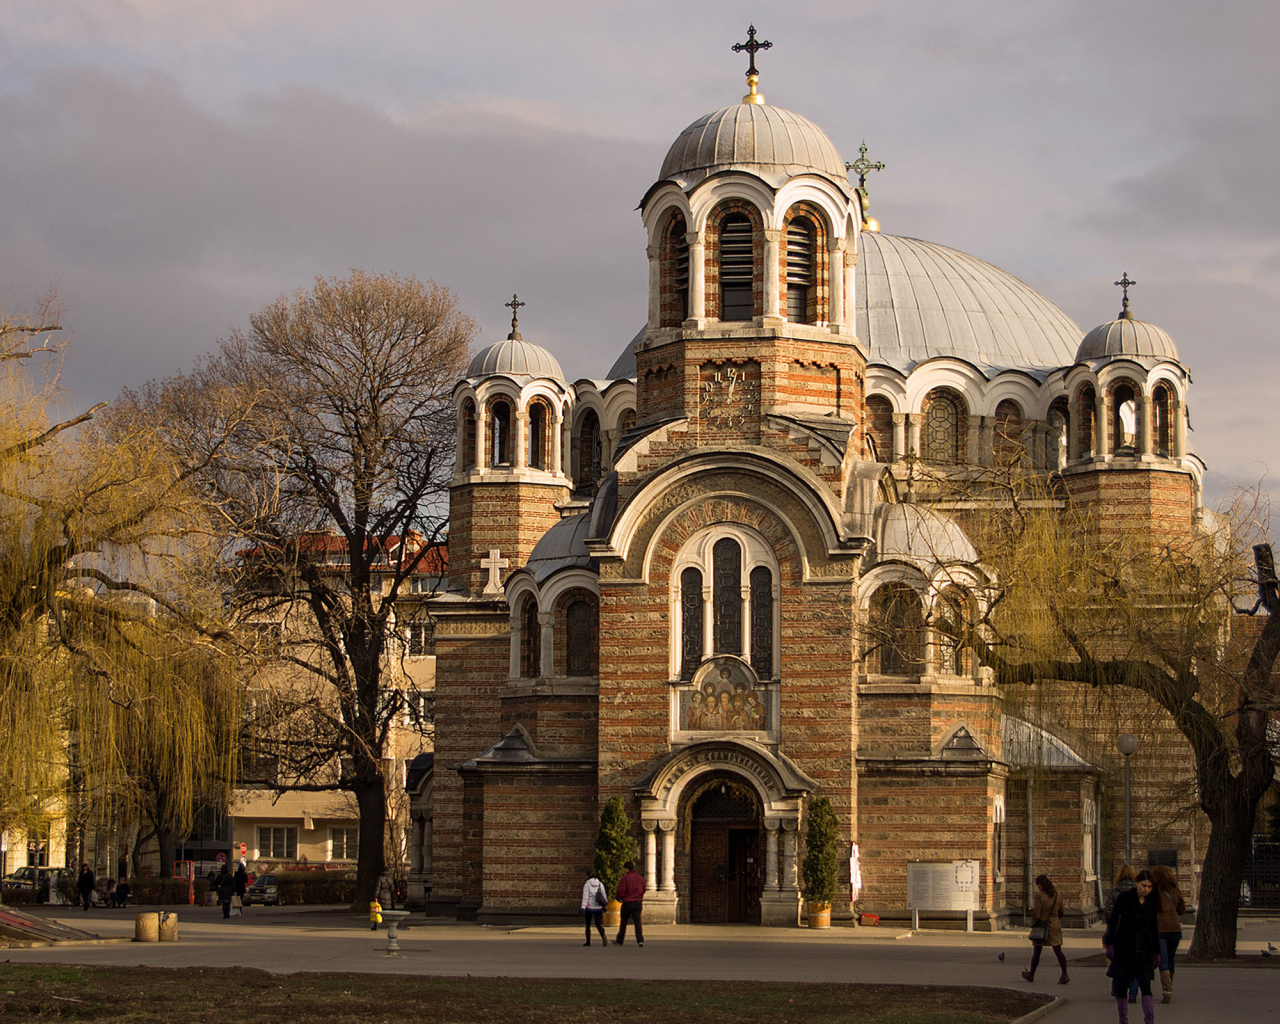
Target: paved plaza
{"type": "Point", "coordinates": [287, 940]}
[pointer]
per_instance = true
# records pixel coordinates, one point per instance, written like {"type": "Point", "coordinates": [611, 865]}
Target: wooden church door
{"type": "Point", "coordinates": [725, 857]}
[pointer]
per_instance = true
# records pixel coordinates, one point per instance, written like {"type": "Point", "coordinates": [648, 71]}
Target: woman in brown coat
{"type": "Point", "coordinates": [1047, 907]}
{"type": "Point", "coordinates": [1169, 913]}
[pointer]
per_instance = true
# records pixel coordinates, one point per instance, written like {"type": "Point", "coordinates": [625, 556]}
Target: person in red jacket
{"type": "Point", "coordinates": [631, 895]}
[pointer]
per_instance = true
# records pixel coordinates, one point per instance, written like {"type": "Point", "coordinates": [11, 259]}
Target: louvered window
{"type": "Point", "coordinates": [800, 245]}
{"type": "Point", "coordinates": [726, 560]}
{"type": "Point", "coordinates": [681, 277]}
{"type": "Point", "coordinates": [737, 264]}
{"type": "Point", "coordinates": [690, 622]}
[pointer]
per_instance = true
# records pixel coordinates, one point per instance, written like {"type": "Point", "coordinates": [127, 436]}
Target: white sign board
{"type": "Point", "coordinates": [943, 885]}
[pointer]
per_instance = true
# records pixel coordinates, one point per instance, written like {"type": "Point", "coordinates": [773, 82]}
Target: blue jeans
{"type": "Point", "coordinates": [1168, 947]}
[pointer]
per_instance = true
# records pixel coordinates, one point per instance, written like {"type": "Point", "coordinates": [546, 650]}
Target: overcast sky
{"type": "Point", "coordinates": [170, 166]}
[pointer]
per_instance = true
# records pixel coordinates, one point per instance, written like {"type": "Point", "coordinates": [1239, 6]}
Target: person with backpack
{"type": "Point", "coordinates": [594, 899]}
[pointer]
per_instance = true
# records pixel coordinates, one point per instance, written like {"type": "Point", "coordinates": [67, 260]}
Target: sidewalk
{"type": "Point", "coordinates": [289, 940]}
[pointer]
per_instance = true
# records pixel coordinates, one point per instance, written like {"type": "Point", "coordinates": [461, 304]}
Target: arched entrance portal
{"type": "Point", "coordinates": [725, 869]}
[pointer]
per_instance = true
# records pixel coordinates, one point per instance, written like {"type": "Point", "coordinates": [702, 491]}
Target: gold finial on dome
{"type": "Point", "coordinates": [752, 46]}
{"type": "Point", "coordinates": [514, 305]}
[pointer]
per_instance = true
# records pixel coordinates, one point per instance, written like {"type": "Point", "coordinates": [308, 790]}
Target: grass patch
{"type": "Point", "coordinates": [151, 995]}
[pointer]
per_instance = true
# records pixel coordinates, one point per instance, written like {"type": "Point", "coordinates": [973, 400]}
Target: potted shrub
{"type": "Point", "coordinates": [614, 847]}
{"type": "Point", "coordinates": [820, 868]}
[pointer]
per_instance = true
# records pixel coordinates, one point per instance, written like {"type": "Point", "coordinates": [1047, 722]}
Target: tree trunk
{"type": "Point", "coordinates": [135, 855]}
{"type": "Point", "coordinates": [371, 798]}
{"type": "Point", "coordinates": [1230, 834]}
{"type": "Point", "coordinates": [168, 841]}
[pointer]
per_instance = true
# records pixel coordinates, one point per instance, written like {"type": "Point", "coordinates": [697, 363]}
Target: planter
{"type": "Point", "coordinates": [613, 915]}
{"type": "Point", "coordinates": [819, 914]}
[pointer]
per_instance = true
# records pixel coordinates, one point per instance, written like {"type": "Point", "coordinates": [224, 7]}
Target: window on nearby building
{"type": "Point", "coordinates": [530, 640]}
{"type": "Point", "coordinates": [726, 596]}
{"type": "Point", "coordinates": [423, 584]}
{"type": "Point", "coordinates": [537, 454]}
{"type": "Point", "coordinates": [1124, 419]}
{"type": "Point", "coordinates": [762, 622]}
{"type": "Point", "coordinates": [800, 270]}
{"type": "Point", "coordinates": [581, 649]}
{"type": "Point", "coordinates": [468, 453]}
{"type": "Point", "coordinates": [997, 836]}
{"type": "Point", "coordinates": [500, 433]}
{"type": "Point", "coordinates": [674, 273]}
{"type": "Point", "coordinates": [277, 842]}
{"type": "Point", "coordinates": [1161, 422]}
{"type": "Point", "coordinates": [942, 431]}
{"type": "Point", "coordinates": [690, 622]}
{"type": "Point", "coordinates": [1006, 434]}
{"type": "Point", "coordinates": [39, 839]}
{"type": "Point", "coordinates": [419, 707]}
{"type": "Point", "coordinates": [417, 639]}
{"type": "Point", "coordinates": [880, 427]}
{"type": "Point", "coordinates": [737, 268]}
{"type": "Point", "coordinates": [344, 843]}
{"type": "Point", "coordinates": [590, 450]}
{"type": "Point", "coordinates": [896, 631]}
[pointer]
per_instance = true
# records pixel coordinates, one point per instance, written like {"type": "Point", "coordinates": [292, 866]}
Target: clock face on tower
{"type": "Point", "coordinates": [729, 394]}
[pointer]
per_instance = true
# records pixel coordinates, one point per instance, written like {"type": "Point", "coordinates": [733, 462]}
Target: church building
{"type": "Point", "coordinates": [660, 581]}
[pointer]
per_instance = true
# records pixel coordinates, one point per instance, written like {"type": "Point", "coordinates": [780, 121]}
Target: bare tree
{"type": "Point", "coordinates": [326, 437]}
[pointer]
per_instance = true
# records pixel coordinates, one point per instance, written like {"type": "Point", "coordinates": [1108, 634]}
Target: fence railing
{"type": "Point", "coordinates": [1260, 886]}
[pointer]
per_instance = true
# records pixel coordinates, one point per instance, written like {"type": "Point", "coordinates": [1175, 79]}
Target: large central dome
{"type": "Point", "coordinates": [768, 141]}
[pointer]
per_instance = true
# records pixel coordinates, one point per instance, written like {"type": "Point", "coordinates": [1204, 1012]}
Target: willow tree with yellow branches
{"type": "Point", "coordinates": [1086, 594]}
{"type": "Point", "coordinates": [118, 681]}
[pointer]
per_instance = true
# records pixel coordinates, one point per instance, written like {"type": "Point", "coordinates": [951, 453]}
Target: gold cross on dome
{"type": "Point", "coordinates": [1125, 284]}
{"type": "Point", "coordinates": [514, 305]}
{"type": "Point", "coordinates": [752, 47]}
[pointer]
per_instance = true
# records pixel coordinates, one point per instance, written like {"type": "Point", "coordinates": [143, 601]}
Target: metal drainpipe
{"type": "Point", "coordinates": [1031, 847]}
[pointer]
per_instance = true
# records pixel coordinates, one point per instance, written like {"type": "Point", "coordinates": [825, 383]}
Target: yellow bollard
{"type": "Point", "coordinates": [169, 927]}
{"type": "Point", "coordinates": [146, 927]}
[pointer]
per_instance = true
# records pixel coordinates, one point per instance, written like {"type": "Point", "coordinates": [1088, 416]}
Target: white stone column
{"type": "Point", "coordinates": [655, 285]}
{"type": "Point", "coordinates": [514, 671]}
{"type": "Point", "coordinates": [771, 856]}
{"type": "Point", "coordinates": [557, 449]}
{"type": "Point", "coordinates": [771, 272]}
{"type": "Point", "coordinates": [835, 285]}
{"type": "Point", "coordinates": [913, 434]}
{"type": "Point", "coordinates": [547, 666]}
{"type": "Point", "coordinates": [1102, 423]}
{"type": "Point", "coordinates": [650, 856]}
{"type": "Point", "coordinates": [899, 437]}
{"type": "Point", "coordinates": [1179, 414]}
{"type": "Point", "coordinates": [697, 276]}
{"type": "Point", "coordinates": [521, 460]}
{"type": "Point", "coordinates": [484, 443]}
{"type": "Point", "coordinates": [1144, 425]}
{"type": "Point", "coordinates": [460, 462]}
{"type": "Point", "coordinates": [745, 593]}
{"type": "Point", "coordinates": [986, 440]}
{"type": "Point", "coordinates": [668, 855]}
{"type": "Point", "coordinates": [708, 620]}
{"type": "Point", "coordinates": [428, 836]}
{"type": "Point", "coordinates": [788, 883]}
{"type": "Point", "coordinates": [415, 846]}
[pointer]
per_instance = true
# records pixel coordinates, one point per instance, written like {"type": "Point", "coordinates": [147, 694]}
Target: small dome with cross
{"type": "Point", "coordinates": [1127, 336]}
{"type": "Point", "coordinates": [517, 358]}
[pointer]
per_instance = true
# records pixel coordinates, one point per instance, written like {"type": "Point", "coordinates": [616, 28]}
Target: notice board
{"type": "Point", "coordinates": [943, 885]}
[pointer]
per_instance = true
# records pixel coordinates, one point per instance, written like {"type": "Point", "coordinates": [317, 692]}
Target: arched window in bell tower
{"type": "Point", "coordinates": [468, 454]}
{"type": "Point", "coordinates": [674, 273]}
{"type": "Point", "coordinates": [537, 453]}
{"type": "Point", "coordinates": [801, 248]}
{"type": "Point", "coordinates": [1161, 421]}
{"type": "Point", "coordinates": [590, 451]}
{"type": "Point", "coordinates": [500, 433]}
{"type": "Point", "coordinates": [737, 268]}
{"type": "Point", "coordinates": [1124, 419]}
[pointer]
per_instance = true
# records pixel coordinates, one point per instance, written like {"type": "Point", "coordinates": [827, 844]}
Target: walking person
{"type": "Point", "coordinates": [1169, 911]}
{"type": "Point", "coordinates": [240, 880]}
{"type": "Point", "coordinates": [1124, 882]}
{"type": "Point", "coordinates": [1047, 910]}
{"type": "Point", "coordinates": [226, 889]}
{"type": "Point", "coordinates": [1133, 929]}
{"type": "Point", "coordinates": [594, 899]}
{"type": "Point", "coordinates": [631, 895]}
{"type": "Point", "coordinates": [86, 883]}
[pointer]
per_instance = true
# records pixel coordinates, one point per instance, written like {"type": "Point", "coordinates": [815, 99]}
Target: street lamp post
{"type": "Point", "coordinates": [1127, 744]}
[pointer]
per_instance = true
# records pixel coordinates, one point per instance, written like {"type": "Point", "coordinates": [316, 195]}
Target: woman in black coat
{"type": "Point", "coordinates": [1134, 943]}
{"type": "Point", "coordinates": [226, 889]}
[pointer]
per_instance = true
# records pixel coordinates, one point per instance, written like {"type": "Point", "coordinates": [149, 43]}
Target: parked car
{"type": "Point", "coordinates": [264, 891]}
{"type": "Point", "coordinates": [43, 880]}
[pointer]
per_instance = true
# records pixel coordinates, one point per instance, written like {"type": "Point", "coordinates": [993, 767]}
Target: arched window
{"type": "Point", "coordinates": [942, 432]}
{"type": "Point", "coordinates": [880, 427]}
{"type": "Point", "coordinates": [530, 640]}
{"type": "Point", "coordinates": [1006, 437]}
{"type": "Point", "coordinates": [673, 273]}
{"type": "Point", "coordinates": [762, 622]}
{"type": "Point", "coordinates": [801, 249]}
{"type": "Point", "coordinates": [896, 631]}
{"type": "Point", "coordinates": [955, 617]}
{"type": "Point", "coordinates": [690, 622]}
{"type": "Point", "coordinates": [1086, 411]}
{"type": "Point", "coordinates": [468, 453]}
{"type": "Point", "coordinates": [1059, 432]}
{"type": "Point", "coordinates": [589, 450]}
{"type": "Point", "coordinates": [726, 596]}
{"type": "Point", "coordinates": [737, 268]}
{"type": "Point", "coordinates": [500, 433]}
{"type": "Point", "coordinates": [580, 628]}
{"type": "Point", "coordinates": [1161, 421]}
{"type": "Point", "coordinates": [1124, 419]}
{"type": "Point", "coordinates": [538, 435]}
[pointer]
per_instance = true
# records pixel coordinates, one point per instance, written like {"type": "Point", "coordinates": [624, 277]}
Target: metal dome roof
{"type": "Point", "coordinates": [515, 357]}
{"type": "Point", "coordinates": [1126, 336]}
{"type": "Point", "coordinates": [918, 300]}
{"type": "Point", "coordinates": [769, 141]}
{"type": "Point", "coordinates": [911, 533]}
{"type": "Point", "coordinates": [562, 547]}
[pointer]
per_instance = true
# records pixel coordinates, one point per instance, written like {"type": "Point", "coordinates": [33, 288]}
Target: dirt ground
{"type": "Point", "coordinates": [148, 995]}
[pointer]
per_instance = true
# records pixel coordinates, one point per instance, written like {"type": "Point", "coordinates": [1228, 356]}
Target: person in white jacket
{"type": "Point", "coordinates": [594, 900]}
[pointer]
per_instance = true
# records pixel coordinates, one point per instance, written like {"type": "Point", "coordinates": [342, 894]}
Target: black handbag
{"type": "Point", "coordinates": [1039, 932]}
